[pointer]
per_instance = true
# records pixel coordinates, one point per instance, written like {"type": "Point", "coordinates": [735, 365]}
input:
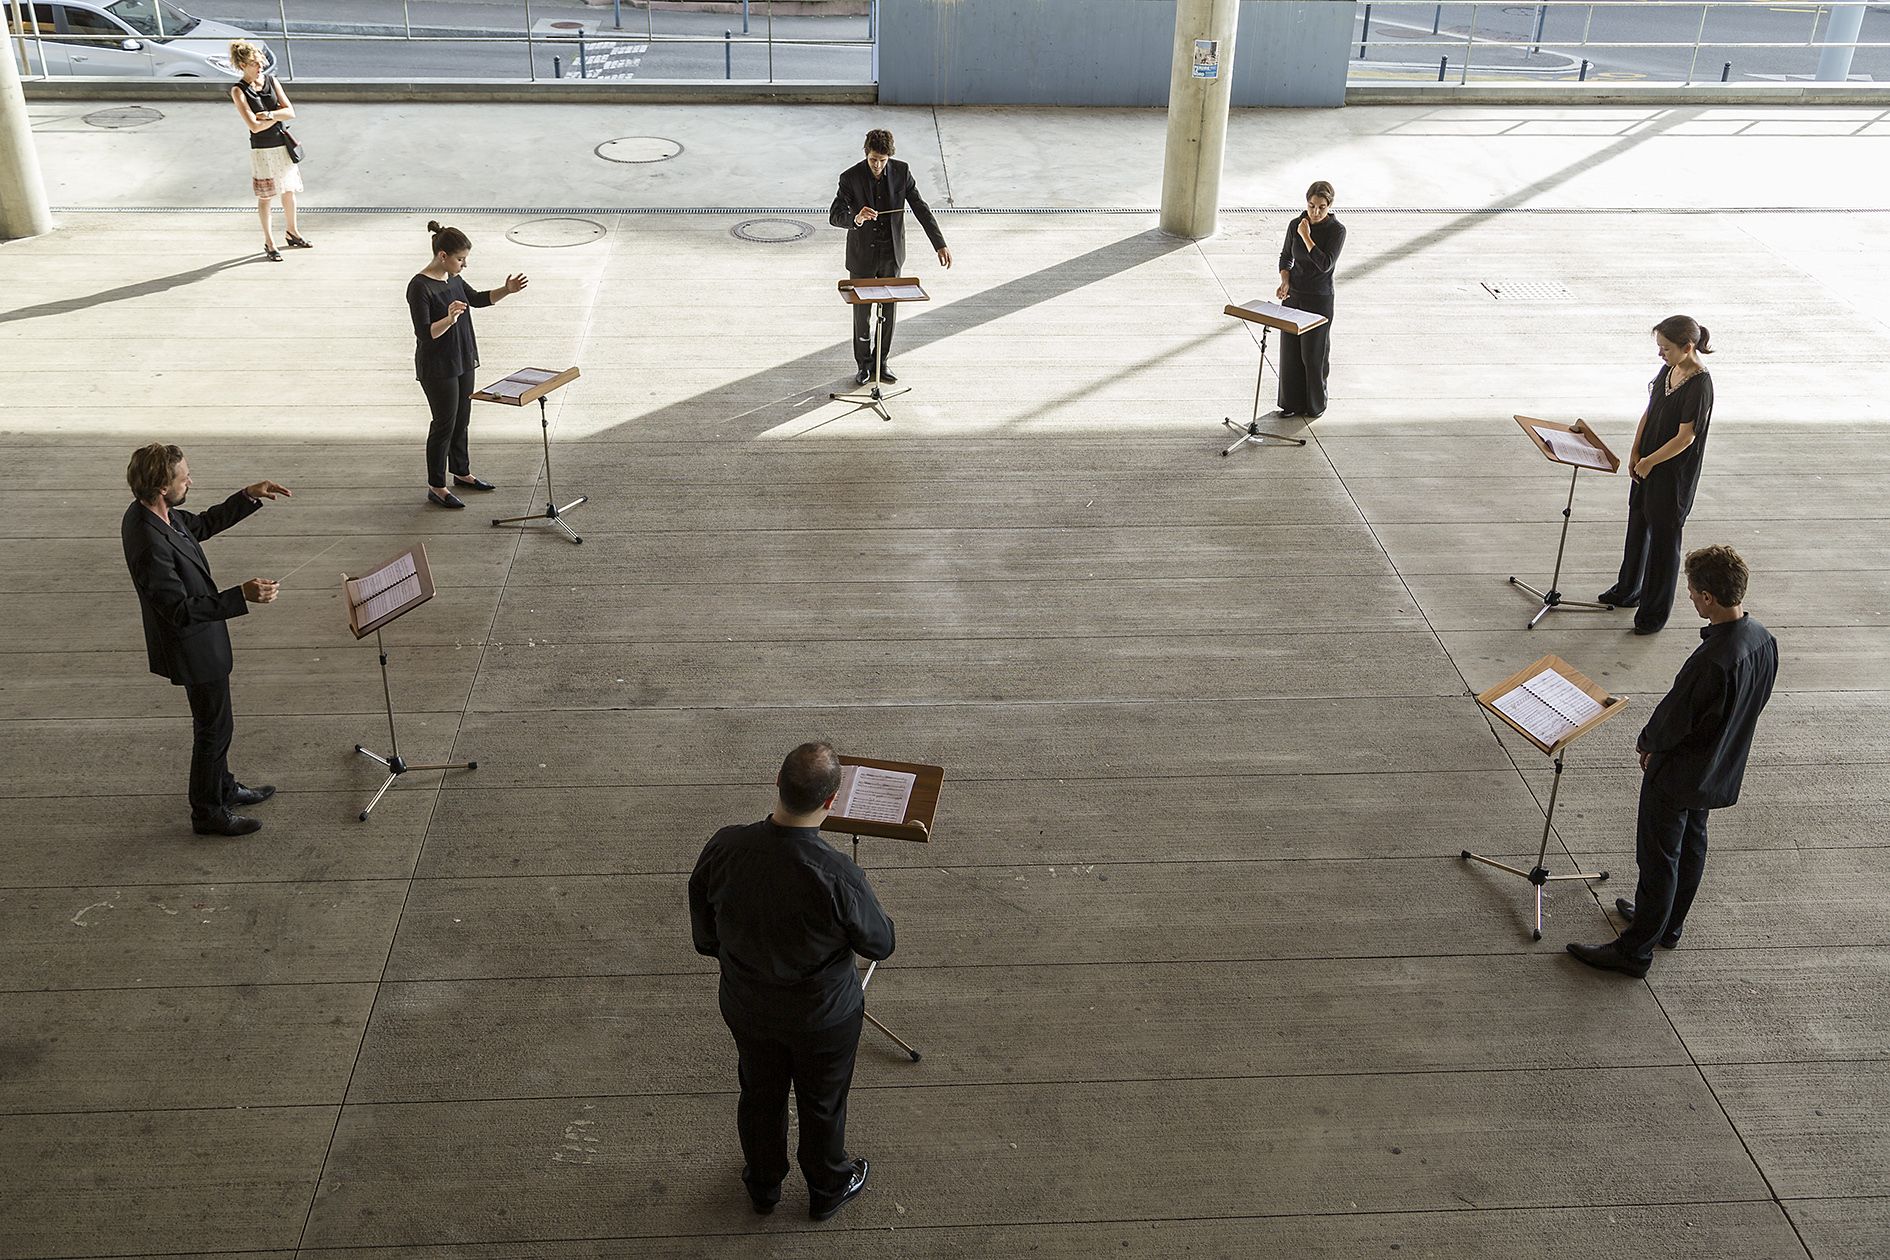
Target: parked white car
{"type": "Point", "coordinates": [144, 39]}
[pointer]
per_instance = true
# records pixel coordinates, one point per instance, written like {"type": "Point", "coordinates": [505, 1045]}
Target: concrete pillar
{"type": "Point", "coordinates": [23, 209]}
{"type": "Point", "coordinates": [1197, 119]}
{"type": "Point", "coordinates": [1846, 24]}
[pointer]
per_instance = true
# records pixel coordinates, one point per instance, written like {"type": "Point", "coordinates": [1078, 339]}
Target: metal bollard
{"type": "Point", "coordinates": [580, 61]}
{"type": "Point", "coordinates": [616, 14]}
{"type": "Point", "coordinates": [557, 66]}
{"type": "Point", "coordinates": [1725, 72]}
{"type": "Point", "coordinates": [744, 17]}
{"type": "Point", "coordinates": [1437, 17]}
{"type": "Point", "coordinates": [1542, 17]}
{"type": "Point", "coordinates": [1365, 32]}
{"type": "Point", "coordinates": [1443, 64]}
{"type": "Point", "coordinates": [1583, 76]}
{"type": "Point", "coordinates": [728, 55]}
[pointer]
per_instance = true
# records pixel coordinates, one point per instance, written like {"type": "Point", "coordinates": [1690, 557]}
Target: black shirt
{"type": "Point", "coordinates": [1700, 733]}
{"type": "Point", "coordinates": [455, 351]}
{"type": "Point", "coordinates": [785, 914]}
{"type": "Point", "coordinates": [260, 98]}
{"type": "Point", "coordinates": [1691, 404]}
{"type": "Point", "coordinates": [1312, 268]}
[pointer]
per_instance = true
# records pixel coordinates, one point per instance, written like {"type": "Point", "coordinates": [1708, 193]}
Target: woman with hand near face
{"type": "Point", "coordinates": [1313, 242]}
{"type": "Point", "coordinates": [1664, 462]}
{"type": "Point", "coordinates": [445, 355]}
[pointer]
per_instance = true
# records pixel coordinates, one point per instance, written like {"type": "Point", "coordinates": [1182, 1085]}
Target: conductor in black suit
{"type": "Point", "coordinates": [786, 915]}
{"type": "Point", "coordinates": [184, 613]}
{"type": "Point", "coordinates": [871, 193]}
{"type": "Point", "coordinates": [1693, 756]}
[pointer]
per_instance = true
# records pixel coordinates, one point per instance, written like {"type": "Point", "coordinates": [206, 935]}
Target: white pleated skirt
{"type": "Point", "coordinates": [272, 173]}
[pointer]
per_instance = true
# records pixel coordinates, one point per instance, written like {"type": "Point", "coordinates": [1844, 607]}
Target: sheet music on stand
{"type": "Point", "coordinates": [874, 794]}
{"type": "Point", "coordinates": [516, 385]}
{"type": "Point", "coordinates": [888, 293]}
{"type": "Point", "coordinates": [391, 590]}
{"type": "Point", "coordinates": [1548, 707]}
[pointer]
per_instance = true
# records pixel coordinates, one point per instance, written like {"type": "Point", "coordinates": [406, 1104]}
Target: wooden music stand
{"type": "Point", "coordinates": [534, 385]}
{"type": "Point", "coordinates": [878, 292]}
{"type": "Point", "coordinates": [1269, 315]}
{"type": "Point", "coordinates": [1579, 447]}
{"type": "Point", "coordinates": [391, 591]}
{"type": "Point", "coordinates": [915, 826]}
{"type": "Point", "coordinates": [1553, 740]}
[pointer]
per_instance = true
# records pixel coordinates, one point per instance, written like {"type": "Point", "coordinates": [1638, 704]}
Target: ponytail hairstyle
{"type": "Point", "coordinates": [448, 240]}
{"type": "Point", "coordinates": [1683, 330]}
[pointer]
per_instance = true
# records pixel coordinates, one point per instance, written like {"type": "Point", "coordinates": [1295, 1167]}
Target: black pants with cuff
{"type": "Point", "coordinates": [819, 1067]}
{"type": "Point", "coordinates": [1306, 358]}
{"type": "Point", "coordinates": [450, 400]}
{"type": "Point", "coordinates": [1650, 560]}
{"type": "Point", "coordinates": [1670, 848]}
{"type": "Point", "coordinates": [212, 728]}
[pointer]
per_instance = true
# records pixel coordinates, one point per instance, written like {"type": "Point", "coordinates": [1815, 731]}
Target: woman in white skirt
{"type": "Point", "coordinates": [264, 107]}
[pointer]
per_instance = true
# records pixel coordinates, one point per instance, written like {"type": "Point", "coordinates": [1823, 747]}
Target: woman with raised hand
{"type": "Point", "coordinates": [1313, 242]}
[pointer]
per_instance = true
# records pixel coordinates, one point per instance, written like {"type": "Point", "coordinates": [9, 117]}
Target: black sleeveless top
{"type": "Point", "coordinates": [261, 99]}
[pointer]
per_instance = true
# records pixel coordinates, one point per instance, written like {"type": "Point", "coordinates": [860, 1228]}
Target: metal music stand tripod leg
{"type": "Point", "coordinates": [1251, 431]}
{"type": "Point", "coordinates": [876, 392]}
{"type": "Point", "coordinates": [1552, 598]}
{"type": "Point", "coordinates": [1539, 873]}
{"type": "Point", "coordinates": [395, 764]}
{"type": "Point", "coordinates": [553, 514]}
{"type": "Point", "coordinates": [867, 979]}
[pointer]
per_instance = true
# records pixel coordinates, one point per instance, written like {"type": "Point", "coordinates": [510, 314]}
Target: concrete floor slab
{"type": "Point", "coordinates": [1842, 1229]}
{"type": "Point", "coordinates": [1779, 1006]}
{"type": "Point", "coordinates": [1818, 1130]}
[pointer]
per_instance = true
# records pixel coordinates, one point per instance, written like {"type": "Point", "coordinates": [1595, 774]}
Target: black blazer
{"type": "Point", "coordinates": [855, 193]}
{"type": "Point", "coordinates": [1701, 732]}
{"type": "Point", "coordinates": [183, 611]}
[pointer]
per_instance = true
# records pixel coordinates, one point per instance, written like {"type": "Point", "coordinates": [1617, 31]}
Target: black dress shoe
{"type": "Point", "coordinates": [888, 377]}
{"type": "Point", "coordinates": [251, 795]}
{"type": "Point", "coordinates": [1609, 957]}
{"type": "Point", "coordinates": [862, 376]}
{"type": "Point", "coordinates": [227, 824]}
{"type": "Point", "coordinates": [1625, 908]}
{"type": "Point", "coordinates": [1647, 630]}
{"type": "Point", "coordinates": [447, 500]}
{"type": "Point", "coordinates": [822, 1209]}
{"type": "Point", "coordinates": [474, 483]}
{"type": "Point", "coordinates": [1614, 599]}
{"type": "Point", "coordinates": [1288, 415]}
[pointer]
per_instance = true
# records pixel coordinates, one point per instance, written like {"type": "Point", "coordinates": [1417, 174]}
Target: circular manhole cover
{"type": "Point", "coordinates": [122, 117]}
{"type": "Point", "coordinates": [772, 231]}
{"type": "Point", "coordinates": [557, 233]}
{"type": "Point", "coordinates": [638, 149]}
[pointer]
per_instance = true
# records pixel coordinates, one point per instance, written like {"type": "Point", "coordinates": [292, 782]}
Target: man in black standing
{"type": "Point", "coordinates": [184, 612]}
{"type": "Point", "coordinates": [1693, 756]}
{"type": "Point", "coordinates": [870, 205]}
{"type": "Point", "coordinates": [785, 914]}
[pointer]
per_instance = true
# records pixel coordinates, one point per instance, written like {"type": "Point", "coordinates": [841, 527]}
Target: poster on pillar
{"type": "Point", "coordinates": [1207, 58]}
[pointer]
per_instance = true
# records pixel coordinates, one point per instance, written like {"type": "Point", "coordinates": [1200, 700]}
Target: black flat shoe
{"type": "Point", "coordinates": [823, 1209]}
{"type": "Point", "coordinates": [227, 824]}
{"type": "Point", "coordinates": [1613, 599]}
{"type": "Point", "coordinates": [1647, 629]}
{"type": "Point", "coordinates": [862, 376]}
{"type": "Point", "coordinates": [270, 252]}
{"type": "Point", "coordinates": [888, 377]}
{"type": "Point", "coordinates": [1288, 415]}
{"type": "Point", "coordinates": [448, 500]}
{"type": "Point", "coordinates": [251, 795]}
{"type": "Point", "coordinates": [296, 242]}
{"type": "Point", "coordinates": [1609, 958]}
{"type": "Point", "coordinates": [1625, 908]}
{"type": "Point", "coordinates": [474, 483]}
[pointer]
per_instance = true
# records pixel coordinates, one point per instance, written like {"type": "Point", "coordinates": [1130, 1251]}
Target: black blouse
{"type": "Point", "coordinates": [1312, 268]}
{"type": "Point", "coordinates": [455, 351]}
{"type": "Point", "coordinates": [264, 98]}
{"type": "Point", "coordinates": [1691, 404]}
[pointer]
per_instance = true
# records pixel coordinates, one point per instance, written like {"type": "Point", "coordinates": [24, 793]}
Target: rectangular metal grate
{"type": "Point", "coordinates": [1527, 290]}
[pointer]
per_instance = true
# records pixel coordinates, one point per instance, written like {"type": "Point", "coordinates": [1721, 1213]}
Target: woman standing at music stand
{"type": "Point", "coordinates": [1669, 447]}
{"type": "Point", "coordinates": [1313, 242]}
{"type": "Point", "coordinates": [445, 355]}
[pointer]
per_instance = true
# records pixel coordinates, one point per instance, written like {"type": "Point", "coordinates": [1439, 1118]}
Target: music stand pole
{"type": "Point", "coordinates": [396, 764]}
{"type": "Point", "coordinates": [1539, 873]}
{"type": "Point", "coordinates": [877, 394]}
{"type": "Point", "coordinates": [867, 979]}
{"type": "Point", "coordinates": [1251, 431]}
{"type": "Point", "coordinates": [1552, 598]}
{"type": "Point", "coordinates": [553, 514]}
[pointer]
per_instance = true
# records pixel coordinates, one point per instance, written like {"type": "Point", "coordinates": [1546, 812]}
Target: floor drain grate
{"type": "Point", "coordinates": [122, 117]}
{"type": "Point", "coordinates": [556, 233]}
{"type": "Point", "coordinates": [771, 231]}
{"type": "Point", "coordinates": [635, 149]}
{"type": "Point", "coordinates": [1528, 291]}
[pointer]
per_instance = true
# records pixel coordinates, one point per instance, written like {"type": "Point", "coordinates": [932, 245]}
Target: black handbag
{"type": "Point", "coordinates": [295, 150]}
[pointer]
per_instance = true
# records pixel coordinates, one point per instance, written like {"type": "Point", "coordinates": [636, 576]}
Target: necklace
{"type": "Point", "coordinates": [1674, 382]}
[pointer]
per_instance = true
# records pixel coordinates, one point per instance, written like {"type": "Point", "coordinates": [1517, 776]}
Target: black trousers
{"type": "Point", "coordinates": [883, 265]}
{"type": "Point", "coordinates": [1650, 560]}
{"type": "Point", "coordinates": [1670, 846]}
{"type": "Point", "coordinates": [450, 399]}
{"type": "Point", "coordinates": [212, 727]}
{"type": "Point", "coordinates": [1306, 359]}
{"type": "Point", "coordinates": [819, 1066]}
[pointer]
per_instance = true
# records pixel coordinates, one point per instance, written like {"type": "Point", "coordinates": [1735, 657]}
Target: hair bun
{"type": "Point", "coordinates": [433, 225]}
